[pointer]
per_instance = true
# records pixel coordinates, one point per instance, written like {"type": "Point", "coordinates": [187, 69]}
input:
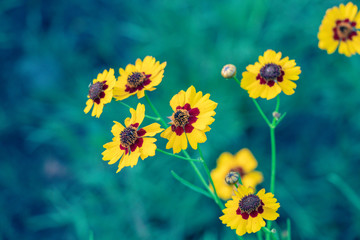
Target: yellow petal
{"type": "Point", "coordinates": [177, 100]}
{"type": "Point", "coordinates": [148, 148]}
{"type": "Point", "coordinates": [152, 129]}
{"type": "Point", "coordinates": [246, 160]}
{"type": "Point", "coordinates": [269, 214]}
{"type": "Point", "coordinates": [195, 137]}
{"type": "Point", "coordinates": [167, 133]}
{"type": "Point", "coordinates": [89, 104]}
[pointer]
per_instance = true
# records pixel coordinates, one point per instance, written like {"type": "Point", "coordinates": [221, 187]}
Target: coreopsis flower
{"type": "Point", "coordinates": [271, 75]}
{"type": "Point", "coordinates": [242, 163]}
{"type": "Point", "coordinates": [130, 141]}
{"type": "Point", "coordinates": [192, 116]}
{"type": "Point", "coordinates": [339, 29]}
{"type": "Point", "coordinates": [144, 75]}
{"type": "Point", "coordinates": [246, 211]}
{"type": "Point", "coordinates": [100, 92]}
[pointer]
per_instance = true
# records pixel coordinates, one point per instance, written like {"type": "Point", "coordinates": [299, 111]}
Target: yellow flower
{"type": "Point", "coordinates": [246, 211]}
{"type": "Point", "coordinates": [243, 163]}
{"type": "Point", "coordinates": [339, 28]}
{"type": "Point", "coordinates": [271, 75]}
{"type": "Point", "coordinates": [191, 119]}
{"type": "Point", "coordinates": [144, 75]}
{"type": "Point", "coordinates": [131, 142]}
{"type": "Point", "coordinates": [100, 92]}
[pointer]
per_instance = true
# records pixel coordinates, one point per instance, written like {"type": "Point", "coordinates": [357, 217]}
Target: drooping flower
{"type": "Point", "coordinates": [130, 141]}
{"type": "Point", "coordinates": [144, 75]}
{"type": "Point", "coordinates": [246, 211]}
{"type": "Point", "coordinates": [339, 29]}
{"type": "Point", "coordinates": [100, 92]}
{"type": "Point", "coordinates": [271, 75]}
{"type": "Point", "coordinates": [193, 113]}
{"type": "Point", "coordinates": [243, 163]}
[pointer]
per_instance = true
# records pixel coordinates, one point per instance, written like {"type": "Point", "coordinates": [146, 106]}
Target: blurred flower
{"type": "Point", "coordinates": [144, 75]}
{"type": "Point", "coordinates": [268, 77]}
{"type": "Point", "coordinates": [100, 92]}
{"type": "Point", "coordinates": [246, 211]}
{"type": "Point", "coordinates": [339, 28]}
{"type": "Point", "coordinates": [130, 142]}
{"type": "Point", "coordinates": [228, 71]}
{"type": "Point", "coordinates": [243, 163]}
{"type": "Point", "coordinates": [191, 119]}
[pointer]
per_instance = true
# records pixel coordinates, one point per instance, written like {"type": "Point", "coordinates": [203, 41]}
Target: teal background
{"type": "Point", "coordinates": [53, 183]}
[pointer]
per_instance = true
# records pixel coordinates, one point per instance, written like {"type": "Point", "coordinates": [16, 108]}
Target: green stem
{"type": "Point", "coordinates": [261, 112]}
{"type": "Point", "coordinates": [156, 111]}
{"type": "Point", "coordinates": [273, 159]}
{"type": "Point", "coordinates": [177, 156]}
{"type": "Point", "coordinates": [237, 80]}
{"type": "Point", "coordinates": [217, 199]}
{"type": "Point", "coordinates": [288, 224]}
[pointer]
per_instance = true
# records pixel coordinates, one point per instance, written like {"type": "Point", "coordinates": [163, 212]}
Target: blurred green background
{"type": "Point", "coordinates": [53, 183]}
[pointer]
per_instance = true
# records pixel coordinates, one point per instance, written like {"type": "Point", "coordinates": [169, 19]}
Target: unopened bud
{"type": "Point", "coordinates": [276, 115]}
{"type": "Point", "coordinates": [232, 178]}
{"type": "Point", "coordinates": [228, 71]}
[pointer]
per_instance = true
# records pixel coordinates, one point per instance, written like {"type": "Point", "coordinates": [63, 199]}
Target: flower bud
{"type": "Point", "coordinates": [232, 178]}
{"type": "Point", "coordinates": [228, 71]}
{"type": "Point", "coordinates": [276, 115]}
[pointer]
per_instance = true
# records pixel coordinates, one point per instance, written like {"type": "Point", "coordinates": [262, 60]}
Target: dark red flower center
{"type": "Point", "coordinates": [137, 81]}
{"type": "Point", "coordinates": [270, 73]}
{"type": "Point", "coordinates": [180, 117]}
{"type": "Point", "coordinates": [250, 205]}
{"type": "Point", "coordinates": [183, 119]}
{"type": "Point", "coordinates": [344, 30]}
{"type": "Point", "coordinates": [131, 138]}
{"type": "Point", "coordinates": [96, 91]}
{"type": "Point", "coordinates": [238, 170]}
{"type": "Point", "coordinates": [128, 136]}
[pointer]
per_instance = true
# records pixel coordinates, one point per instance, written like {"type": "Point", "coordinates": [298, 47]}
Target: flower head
{"type": "Point", "coordinates": [271, 75]}
{"type": "Point", "coordinates": [228, 71]}
{"type": "Point", "coordinates": [339, 28]}
{"type": "Point", "coordinates": [243, 163]}
{"type": "Point", "coordinates": [130, 141]}
{"type": "Point", "coordinates": [191, 119]}
{"type": "Point", "coordinates": [100, 92]}
{"type": "Point", "coordinates": [246, 211]}
{"type": "Point", "coordinates": [144, 75]}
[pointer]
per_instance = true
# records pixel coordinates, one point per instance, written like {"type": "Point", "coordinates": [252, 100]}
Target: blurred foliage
{"type": "Point", "coordinates": [53, 182]}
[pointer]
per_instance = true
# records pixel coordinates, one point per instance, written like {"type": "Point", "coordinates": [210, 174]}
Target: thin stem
{"type": "Point", "coordinates": [273, 160]}
{"type": "Point", "coordinates": [261, 112]}
{"type": "Point", "coordinates": [124, 104]}
{"type": "Point", "coordinates": [190, 185]}
{"type": "Point", "coordinates": [217, 199]}
{"type": "Point", "coordinates": [288, 224]}
{"type": "Point", "coordinates": [155, 111]}
{"type": "Point", "coordinates": [237, 80]}
{"type": "Point", "coordinates": [273, 156]}
{"type": "Point", "coordinates": [177, 156]}
{"type": "Point", "coordinates": [280, 119]}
